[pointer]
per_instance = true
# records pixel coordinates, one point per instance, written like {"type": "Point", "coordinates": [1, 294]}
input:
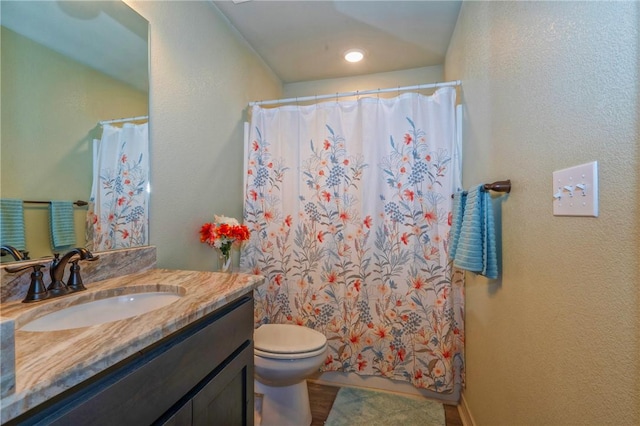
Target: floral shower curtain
{"type": "Point", "coordinates": [118, 213]}
{"type": "Point", "coordinates": [349, 207]}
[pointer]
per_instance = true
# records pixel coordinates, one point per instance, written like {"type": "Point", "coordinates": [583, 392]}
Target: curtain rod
{"type": "Point", "coordinates": [123, 120]}
{"type": "Point", "coordinates": [358, 93]}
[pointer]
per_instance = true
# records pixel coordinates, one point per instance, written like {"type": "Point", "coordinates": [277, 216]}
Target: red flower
{"type": "Point", "coordinates": [326, 195]}
{"type": "Point", "coordinates": [362, 364]}
{"type": "Point", "coordinates": [211, 232]}
{"type": "Point", "coordinates": [253, 195]}
{"type": "Point", "coordinates": [418, 374]}
{"type": "Point", "coordinates": [402, 353]}
{"type": "Point", "coordinates": [430, 216]}
{"type": "Point", "coordinates": [407, 138]}
{"type": "Point", "coordinates": [278, 279]}
{"type": "Point", "coordinates": [428, 157]}
{"type": "Point", "coordinates": [357, 285]}
{"type": "Point", "coordinates": [255, 146]}
{"type": "Point", "coordinates": [329, 360]}
{"type": "Point", "coordinates": [327, 144]}
{"type": "Point", "coordinates": [403, 170]}
{"type": "Point", "coordinates": [124, 158]}
{"type": "Point", "coordinates": [346, 162]}
{"type": "Point", "coordinates": [320, 236]}
{"type": "Point", "coordinates": [405, 239]}
{"type": "Point", "coordinates": [125, 234]}
{"type": "Point", "coordinates": [121, 201]}
{"type": "Point", "coordinates": [287, 221]}
{"type": "Point", "coordinates": [408, 194]}
{"type": "Point", "coordinates": [368, 221]}
{"type": "Point", "coordinates": [417, 283]}
{"type": "Point", "coordinates": [321, 172]}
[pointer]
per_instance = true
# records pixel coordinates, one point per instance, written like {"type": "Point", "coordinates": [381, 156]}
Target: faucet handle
{"type": "Point", "coordinates": [37, 290]}
{"type": "Point", "coordinates": [74, 283]}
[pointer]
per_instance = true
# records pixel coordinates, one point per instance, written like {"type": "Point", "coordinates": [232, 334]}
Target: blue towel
{"type": "Point", "coordinates": [62, 227]}
{"type": "Point", "coordinates": [12, 223]}
{"type": "Point", "coordinates": [476, 247]}
{"type": "Point", "coordinates": [457, 210]}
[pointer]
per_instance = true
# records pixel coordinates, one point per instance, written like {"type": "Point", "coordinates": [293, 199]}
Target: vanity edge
{"type": "Point", "coordinates": [49, 363]}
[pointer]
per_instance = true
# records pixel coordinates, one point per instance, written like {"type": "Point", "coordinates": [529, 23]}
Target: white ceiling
{"type": "Point", "coordinates": [304, 40]}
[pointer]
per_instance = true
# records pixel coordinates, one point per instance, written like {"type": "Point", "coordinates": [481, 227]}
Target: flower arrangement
{"type": "Point", "coordinates": [222, 234]}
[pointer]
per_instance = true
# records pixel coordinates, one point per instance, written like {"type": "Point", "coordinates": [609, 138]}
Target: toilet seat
{"type": "Point", "coordinates": [288, 341]}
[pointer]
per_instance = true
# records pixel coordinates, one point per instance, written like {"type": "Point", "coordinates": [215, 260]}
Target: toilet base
{"type": "Point", "coordinates": [284, 405]}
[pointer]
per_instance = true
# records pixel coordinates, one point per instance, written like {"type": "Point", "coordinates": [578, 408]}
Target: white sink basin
{"type": "Point", "coordinates": [101, 311]}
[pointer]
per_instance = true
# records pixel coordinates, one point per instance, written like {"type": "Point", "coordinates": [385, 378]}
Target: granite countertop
{"type": "Point", "coordinates": [48, 363]}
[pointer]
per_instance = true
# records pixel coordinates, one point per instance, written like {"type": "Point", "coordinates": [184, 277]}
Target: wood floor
{"type": "Point", "coordinates": [321, 399]}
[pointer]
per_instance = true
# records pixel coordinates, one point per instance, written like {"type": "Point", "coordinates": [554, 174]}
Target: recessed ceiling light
{"type": "Point", "coordinates": [354, 55]}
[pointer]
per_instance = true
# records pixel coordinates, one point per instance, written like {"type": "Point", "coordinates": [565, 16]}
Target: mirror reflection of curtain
{"type": "Point", "coordinates": [118, 213]}
{"type": "Point", "coordinates": [349, 207]}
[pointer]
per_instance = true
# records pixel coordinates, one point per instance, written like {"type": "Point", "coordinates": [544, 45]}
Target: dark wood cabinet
{"type": "Point", "coordinates": [200, 375]}
{"type": "Point", "coordinates": [228, 398]}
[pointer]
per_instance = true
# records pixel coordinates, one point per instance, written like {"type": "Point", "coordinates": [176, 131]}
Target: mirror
{"type": "Point", "coordinates": [65, 66]}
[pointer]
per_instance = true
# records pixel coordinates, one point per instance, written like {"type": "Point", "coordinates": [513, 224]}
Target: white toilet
{"type": "Point", "coordinates": [284, 356]}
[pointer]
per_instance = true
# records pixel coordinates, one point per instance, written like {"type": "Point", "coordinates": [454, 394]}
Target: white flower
{"type": "Point", "coordinates": [224, 219]}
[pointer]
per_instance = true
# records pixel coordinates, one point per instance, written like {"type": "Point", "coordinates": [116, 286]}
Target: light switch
{"type": "Point", "coordinates": [575, 191]}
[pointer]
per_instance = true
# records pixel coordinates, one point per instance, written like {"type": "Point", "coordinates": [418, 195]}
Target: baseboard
{"type": "Point", "coordinates": [465, 413]}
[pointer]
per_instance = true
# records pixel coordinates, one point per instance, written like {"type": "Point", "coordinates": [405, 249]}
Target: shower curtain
{"type": "Point", "coordinates": [349, 207]}
{"type": "Point", "coordinates": [118, 207]}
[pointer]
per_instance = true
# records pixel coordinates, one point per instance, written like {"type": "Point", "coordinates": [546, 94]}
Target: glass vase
{"type": "Point", "coordinates": [224, 262]}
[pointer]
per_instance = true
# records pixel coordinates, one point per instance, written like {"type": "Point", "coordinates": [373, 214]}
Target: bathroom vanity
{"type": "Point", "coordinates": [190, 362]}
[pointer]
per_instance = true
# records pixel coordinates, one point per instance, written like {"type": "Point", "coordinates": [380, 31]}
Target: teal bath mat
{"type": "Point", "coordinates": [354, 406]}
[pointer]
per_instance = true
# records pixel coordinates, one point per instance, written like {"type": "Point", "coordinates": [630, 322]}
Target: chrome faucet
{"type": "Point", "coordinates": [56, 271]}
{"type": "Point", "coordinates": [7, 249]}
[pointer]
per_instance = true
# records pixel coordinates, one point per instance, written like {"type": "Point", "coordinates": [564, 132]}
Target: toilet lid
{"type": "Point", "coordinates": [287, 339]}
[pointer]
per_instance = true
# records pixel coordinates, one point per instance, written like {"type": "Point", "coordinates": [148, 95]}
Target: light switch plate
{"type": "Point", "coordinates": [575, 191]}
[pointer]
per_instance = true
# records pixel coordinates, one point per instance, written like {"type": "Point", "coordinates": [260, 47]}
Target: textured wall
{"type": "Point", "coordinates": [548, 86]}
{"type": "Point", "coordinates": [202, 77]}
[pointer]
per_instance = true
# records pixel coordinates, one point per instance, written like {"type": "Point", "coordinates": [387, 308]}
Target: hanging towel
{"type": "Point", "coordinates": [476, 247]}
{"type": "Point", "coordinates": [12, 223]}
{"type": "Point", "coordinates": [63, 233]}
{"type": "Point", "coordinates": [457, 210]}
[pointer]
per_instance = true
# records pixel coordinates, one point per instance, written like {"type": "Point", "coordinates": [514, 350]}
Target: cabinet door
{"type": "Point", "coordinates": [227, 400]}
{"type": "Point", "coordinates": [182, 417]}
